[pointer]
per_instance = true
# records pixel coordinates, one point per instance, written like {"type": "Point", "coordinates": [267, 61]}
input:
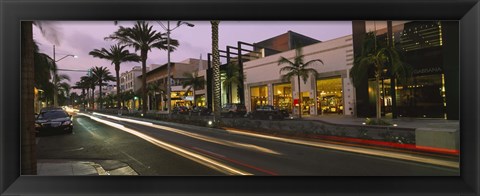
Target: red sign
{"type": "Point", "coordinates": [295, 102]}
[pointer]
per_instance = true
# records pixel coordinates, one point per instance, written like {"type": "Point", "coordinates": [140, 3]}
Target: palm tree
{"type": "Point", "coordinates": [102, 74]}
{"type": "Point", "coordinates": [193, 82]}
{"type": "Point", "coordinates": [233, 77]}
{"type": "Point", "coordinates": [142, 38]}
{"type": "Point", "coordinates": [63, 88]}
{"type": "Point", "coordinates": [129, 95]}
{"type": "Point", "coordinates": [152, 89]}
{"type": "Point", "coordinates": [81, 85]}
{"type": "Point", "coordinates": [89, 84]}
{"type": "Point", "coordinates": [109, 100]}
{"type": "Point", "coordinates": [216, 70]}
{"type": "Point", "coordinates": [380, 59]}
{"type": "Point", "coordinates": [28, 153]}
{"type": "Point", "coordinates": [117, 55]}
{"type": "Point", "coordinates": [43, 66]}
{"type": "Point", "coordinates": [299, 69]}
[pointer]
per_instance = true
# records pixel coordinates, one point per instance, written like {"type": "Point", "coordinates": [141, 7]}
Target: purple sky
{"type": "Point", "coordinates": [81, 37]}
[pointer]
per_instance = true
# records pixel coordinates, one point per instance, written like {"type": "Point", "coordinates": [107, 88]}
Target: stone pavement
{"type": "Point", "coordinates": [60, 167]}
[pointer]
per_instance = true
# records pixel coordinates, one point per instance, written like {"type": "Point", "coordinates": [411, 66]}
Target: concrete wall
{"type": "Point", "coordinates": [445, 135]}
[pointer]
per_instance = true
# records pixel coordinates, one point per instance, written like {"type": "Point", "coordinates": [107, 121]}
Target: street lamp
{"type": "Point", "coordinates": [55, 93]}
{"type": "Point", "coordinates": [169, 88]}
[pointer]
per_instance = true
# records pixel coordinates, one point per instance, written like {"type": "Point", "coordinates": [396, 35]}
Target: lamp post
{"type": "Point", "coordinates": [169, 88]}
{"type": "Point", "coordinates": [54, 79]}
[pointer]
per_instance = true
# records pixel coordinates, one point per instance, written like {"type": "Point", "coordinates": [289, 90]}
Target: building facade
{"type": "Point", "coordinates": [129, 80]}
{"type": "Point", "coordinates": [431, 49]}
{"type": "Point", "coordinates": [131, 83]}
{"type": "Point", "coordinates": [330, 93]}
{"type": "Point", "coordinates": [157, 83]}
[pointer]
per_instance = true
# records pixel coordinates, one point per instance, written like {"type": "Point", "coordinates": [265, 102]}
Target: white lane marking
{"type": "Point", "coordinates": [394, 155]}
{"type": "Point", "coordinates": [76, 149]}
{"type": "Point", "coordinates": [197, 136]}
{"type": "Point", "coordinates": [80, 121]}
{"type": "Point", "coordinates": [177, 150]}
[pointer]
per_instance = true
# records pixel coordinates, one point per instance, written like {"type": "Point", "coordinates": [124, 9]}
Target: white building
{"type": "Point", "coordinates": [129, 80]}
{"type": "Point", "coordinates": [179, 96]}
{"type": "Point", "coordinates": [331, 93]}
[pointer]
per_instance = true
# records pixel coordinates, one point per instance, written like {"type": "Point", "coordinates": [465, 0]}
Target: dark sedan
{"type": "Point", "coordinates": [267, 112]}
{"type": "Point", "coordinates": [53, 121]}
{"type": "Point", "coordinates": [180, 110]}
{"type": "Point", "coordinates": [199, 110]}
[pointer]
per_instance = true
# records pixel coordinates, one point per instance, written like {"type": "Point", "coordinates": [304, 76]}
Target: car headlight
{"type": "Point", "coordinates": [67, 122]}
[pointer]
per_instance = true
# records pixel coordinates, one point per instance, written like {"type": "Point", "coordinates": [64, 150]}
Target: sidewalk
{"type": "Point", "coordinates": [400, 122]}
{"type": "Point", "coordinates": [60, 167]}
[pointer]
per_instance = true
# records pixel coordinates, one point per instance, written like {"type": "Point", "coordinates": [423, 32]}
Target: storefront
{"type": "Point", "coordinates": [180, 98]}
{"type": "Point", "coordinates": [430, 48]}
{"type": "Point", "coordinates": [258, 96]}
{"type": "Point", "coordinates": [330, 96]}
{"type": "Point", "coordinates": [331, 89]}
{"type": "Point", "coordinates": [201, 100]}
{"type": "Point", "coordinates": [282, 97]}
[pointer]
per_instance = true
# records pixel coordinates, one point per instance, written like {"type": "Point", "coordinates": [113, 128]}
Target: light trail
{"type": "Point", "coordinates": [394, 155]}
{"type": "Point", "coordinates": [194, 135]}
{"type": "Point", "coordinates": [177, 150]}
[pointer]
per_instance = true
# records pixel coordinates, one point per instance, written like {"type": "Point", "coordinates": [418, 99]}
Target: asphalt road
{"type": "Point", "coordinates": [152, 149]}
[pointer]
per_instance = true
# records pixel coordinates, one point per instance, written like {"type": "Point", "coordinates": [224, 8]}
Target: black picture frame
{"type": "Point", "coordinates": [14, 11]}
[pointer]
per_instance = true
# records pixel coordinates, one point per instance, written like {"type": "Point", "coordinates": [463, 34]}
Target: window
{"type": "Point", "coordinates": [259, 96]}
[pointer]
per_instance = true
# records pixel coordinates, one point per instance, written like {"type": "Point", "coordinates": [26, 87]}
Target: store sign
{"type": "Point", "coordinates": [295, 102]}
{"type": "Point", "coordinates": [188, 98]}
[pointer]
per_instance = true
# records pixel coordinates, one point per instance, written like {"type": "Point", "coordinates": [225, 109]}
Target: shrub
{"type": "Point", "coordinates": [369, 121]}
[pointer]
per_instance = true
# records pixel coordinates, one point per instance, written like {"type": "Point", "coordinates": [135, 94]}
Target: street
{"type": "Point", "coordinates": [153, 149]}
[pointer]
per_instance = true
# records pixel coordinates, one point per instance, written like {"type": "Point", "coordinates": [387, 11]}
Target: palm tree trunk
{"type": "Point", "coordinates": [28, 157]}
{"type": "Point", "coordinates": [144, 81]}
{"type": "Point", "coordinates": [117, 74]}
{"type": "Point", "coordinates": [299, 98]}
{"type": "Point", "coordinates": [92, 100]}
{"type": "Point", "coordinates": [100, 93]}
{"type": "Point", "coordinates": [393, 92]}
{"type": "Point", "coordinates": [216, 70]}
{"type": "Point", "coordinates": [194, 103]}
{"type": "Point", "coordinates": [84, 100]}
{"type": "Point", "coordinates": [377, 89]}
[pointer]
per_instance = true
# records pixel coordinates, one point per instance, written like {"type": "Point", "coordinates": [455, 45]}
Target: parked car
{"type": "Point", "coordinates": [199, 110]}
{"type": "Point", "coordinates": [180, 110]}
{"type": "Point", "coordinates": [53, 121]}
{"type": "Point", "coordinates": [267, 112]}
{"type": "Point", "coordinates": [50, 109]}
{"type": "Point", "coordinates": [233, 109]}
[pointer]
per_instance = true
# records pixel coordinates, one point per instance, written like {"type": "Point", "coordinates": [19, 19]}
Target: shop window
{"type": "Point", "coordinates": [330, 96]}
{"type": "Point", "coordinates": [259, 96]}
{"type": "Point", "coordinates": [282, 96]}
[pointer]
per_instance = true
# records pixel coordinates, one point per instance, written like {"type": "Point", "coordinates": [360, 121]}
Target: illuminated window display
{"type": "Point", "coordinates": [259, 96]}
{"type": "Point", "coordinates": [201, 100]}
{"type": "Point", "coordinates": [282, 97]}
{"type": "Point", "coordinates": [179, 98]}
{"type": "Point", "coordinates": [330, 96]}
